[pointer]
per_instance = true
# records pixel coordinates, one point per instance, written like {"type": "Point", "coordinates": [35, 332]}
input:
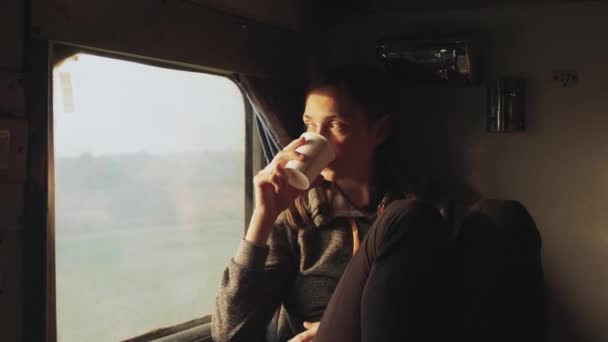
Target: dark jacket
{"type": "Point", "coordinates": [296, 272]}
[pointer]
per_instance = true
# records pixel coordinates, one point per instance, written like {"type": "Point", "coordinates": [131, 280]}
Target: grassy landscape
{"type": "Point", "coordinates": [142, 240]}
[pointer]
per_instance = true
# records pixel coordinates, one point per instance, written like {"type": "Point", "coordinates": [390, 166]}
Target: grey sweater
{"type": "Point", "coordinates": [296, 273]}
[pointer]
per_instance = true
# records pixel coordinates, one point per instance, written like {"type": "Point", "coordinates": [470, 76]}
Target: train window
{"type": "Point", "coordinates": [149, 194]}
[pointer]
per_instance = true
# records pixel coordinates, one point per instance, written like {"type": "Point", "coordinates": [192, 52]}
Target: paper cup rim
{"type": "Point", "coordinates": [328, 147]}
{"type": "Point", "coordinates": [316, 135]}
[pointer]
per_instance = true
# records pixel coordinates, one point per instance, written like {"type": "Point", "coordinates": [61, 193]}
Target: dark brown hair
{"type": "Point", "coordinates": [368, 86]}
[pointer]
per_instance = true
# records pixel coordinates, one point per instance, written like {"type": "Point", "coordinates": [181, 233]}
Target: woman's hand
{"type": "Point", "coordinates": [273, 194]}
{"type": "Point", "coordinates": [311, 331]}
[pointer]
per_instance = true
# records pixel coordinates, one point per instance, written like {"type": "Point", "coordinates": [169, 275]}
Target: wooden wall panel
{"type": "Point", "coordinates": [11, 191]}
{"type": "Point", "coordinates": [171, 30]}
{"type": "Point", "coordinates": [11, 35]}
{"type": "Point", "coordinates": [282, 13]}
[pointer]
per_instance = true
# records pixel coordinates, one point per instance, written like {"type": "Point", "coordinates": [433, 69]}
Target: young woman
{"type": "Point", "coordinates": [349, 258]}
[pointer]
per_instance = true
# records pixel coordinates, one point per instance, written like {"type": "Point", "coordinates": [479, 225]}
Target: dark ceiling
{"type": "Point", "coordinates": [293, 13]}
{"type": "Point", "coordinates": [348, 7]}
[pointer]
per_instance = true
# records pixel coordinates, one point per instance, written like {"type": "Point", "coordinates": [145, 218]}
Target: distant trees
{"type": "Point", "coordinates": [142, 189]}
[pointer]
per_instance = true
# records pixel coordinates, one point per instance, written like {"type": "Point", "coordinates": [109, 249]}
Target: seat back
{"type": "Point", "coordinates": [499, 279]}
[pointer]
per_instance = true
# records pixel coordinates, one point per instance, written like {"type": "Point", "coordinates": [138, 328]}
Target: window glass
{"type": "Point", "coordinates": [150, 193]}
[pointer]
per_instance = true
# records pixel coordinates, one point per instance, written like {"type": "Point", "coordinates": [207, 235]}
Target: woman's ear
{"type": "Point", "coordinates": [382, 130]}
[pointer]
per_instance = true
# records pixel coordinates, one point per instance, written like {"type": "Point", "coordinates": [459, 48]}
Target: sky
{"type": "Point", "coordinates": [122, 107]}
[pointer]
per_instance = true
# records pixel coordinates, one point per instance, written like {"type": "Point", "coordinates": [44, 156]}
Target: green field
{"type": "Point", "coordinates": [142, 244]}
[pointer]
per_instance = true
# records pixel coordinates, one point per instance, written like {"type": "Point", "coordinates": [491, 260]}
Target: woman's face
{"type": "Point", "coordinates": [331, 112]}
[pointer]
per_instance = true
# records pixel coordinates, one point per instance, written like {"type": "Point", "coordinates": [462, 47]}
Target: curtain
{"type": "Point", "coordinates": [269, 142]}
{"type": "Point", "coordinates": [277, 106]}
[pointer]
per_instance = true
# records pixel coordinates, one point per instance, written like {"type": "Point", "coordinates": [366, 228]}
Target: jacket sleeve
{"type": "Point", "coordinates": [253, 286]}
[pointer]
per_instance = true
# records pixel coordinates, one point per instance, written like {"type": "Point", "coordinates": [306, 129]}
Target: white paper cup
{"type": "Point", "coordinates": [318, 154]}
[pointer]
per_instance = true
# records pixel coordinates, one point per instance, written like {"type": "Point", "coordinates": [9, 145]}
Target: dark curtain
{"type": "Point", "coordinates": [277, 105]}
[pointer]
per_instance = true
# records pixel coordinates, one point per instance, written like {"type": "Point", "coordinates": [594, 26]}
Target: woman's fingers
{"type": "Point", "coordinates": [285, 156]}
{"type": "Point", "coordinates": [295, 144]}
{"type": "Point", "coordinates": [289, 152]}
{"type": "Point", "coordinates": [278, 181]}
{"type": "Point", "coordinates": [282, 158]}
{"type": "Point", "coordinates": [293, 192]}
{"type": "Point", "coordinates": [280, 171]}
{"type": "Point", "coordinates": [312, 326]}
{"type": "Point", "coordinates": [276, 176]}
{"type": "Point", "coordinates": [261, 178]}
{"type": "Point", "coordinates": [306, 336]}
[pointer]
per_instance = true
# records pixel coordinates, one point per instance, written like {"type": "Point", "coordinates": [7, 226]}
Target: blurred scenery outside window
{"type": "Point", "coordinates": [150, 191]}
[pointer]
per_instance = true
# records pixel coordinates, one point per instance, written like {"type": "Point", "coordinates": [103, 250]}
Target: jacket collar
{"type": "Point", "coordinates": [326, 202]}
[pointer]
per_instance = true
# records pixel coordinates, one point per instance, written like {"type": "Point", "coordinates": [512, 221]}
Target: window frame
{"type": "Point", "coordinates": [43, 153]}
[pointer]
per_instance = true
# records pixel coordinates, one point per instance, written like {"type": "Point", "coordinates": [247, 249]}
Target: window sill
{"type": "Point", "coordinates": [198, 330]}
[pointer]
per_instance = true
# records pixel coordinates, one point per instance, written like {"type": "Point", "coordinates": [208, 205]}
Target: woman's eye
{"type": "Point", "coordinates": [337, 125]}
{"type": "Point", "coordinates": [308, 126]}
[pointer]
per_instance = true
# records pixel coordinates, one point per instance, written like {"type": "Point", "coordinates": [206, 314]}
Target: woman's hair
{"type": "Point", "coordinates": [368, 86]}
{"type": "Point", "coordinates": [371, 89]}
